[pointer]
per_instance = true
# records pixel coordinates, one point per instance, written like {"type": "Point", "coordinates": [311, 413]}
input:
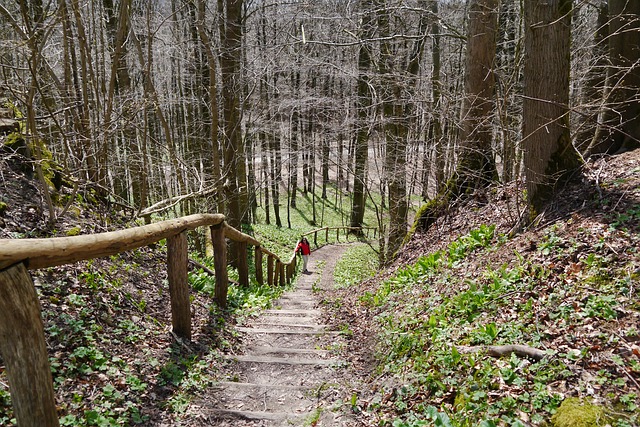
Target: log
{"type": "Point", "coordinates": [220, 265]}
{"type": "Point", "coordinates": [206, 269]}
{"type": "Point", "coordinates": [41, 253]}
{"type": "Point", "coordinates": [505, 350]}
{"type": "Point", "coordinates": [177, 261]}
{"type": "Point", "coordinates": [24, 351]}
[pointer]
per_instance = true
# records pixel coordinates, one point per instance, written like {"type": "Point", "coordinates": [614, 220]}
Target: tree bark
{"type": "Point", "coordinates": [623, 114]}
{"type": "Point", "coordinates": [476, 167]}
{"type": "Point", "coordinates": [364, 101]}
{"type": "Point", "coordinates": [549, 157]}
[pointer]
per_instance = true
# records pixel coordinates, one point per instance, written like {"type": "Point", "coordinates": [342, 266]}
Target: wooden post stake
{"type": "Point", "coordinates": [270, 270]}
{"type": "Point", "coordinates": [24, 351]}
{"type": "Point", "coordinates": [258, 260]}
{"type": "Point", "coordinates": [243, 264]}
{"type": "Point", "coordinates": [177, 261]}
{"type": "Point", "coordinates": [220, 265]}
{"type": "Point", "coordinates": [282, 278]}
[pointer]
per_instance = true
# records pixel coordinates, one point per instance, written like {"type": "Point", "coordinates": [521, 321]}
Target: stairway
{"type": "Point", "coordinates": [288, 375]}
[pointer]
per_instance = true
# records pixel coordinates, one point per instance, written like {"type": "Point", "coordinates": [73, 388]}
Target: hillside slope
{"type": "Point", "coordinates": [567, 288]}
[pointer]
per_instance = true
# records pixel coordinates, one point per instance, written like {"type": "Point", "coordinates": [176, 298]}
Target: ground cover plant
{"type": "Point", "coordinates": [567, 288]}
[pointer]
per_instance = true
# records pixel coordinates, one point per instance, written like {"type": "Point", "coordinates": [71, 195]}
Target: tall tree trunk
{"type": "Point", "coordinates": [435, 131]}
{"type": "Point", "coordinates": [623, 114]}
{"type": "Point", "coordinates": [364, 101]}
{"type": "Point", "coordinates": [216, 172]}
{"type": "Point", "coordinates": [399, 113]}
{"type": "Point", "coordinates": [233, 148]}
{"type": "Point", "coordinates": [476, 167]}
{"type": "Point", "coordinates": [295, 146]}
{"type": "Point", "coordinates": [325, 166]}
{"type": "Point", "coordinates": [549, 156]}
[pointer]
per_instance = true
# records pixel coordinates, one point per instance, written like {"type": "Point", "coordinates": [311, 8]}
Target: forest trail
{"type": "Point", "coordinates": [289, 373]}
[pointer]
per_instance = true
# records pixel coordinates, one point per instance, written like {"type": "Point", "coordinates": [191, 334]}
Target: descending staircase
{"type": "Point", "coordinates": [288, 375]}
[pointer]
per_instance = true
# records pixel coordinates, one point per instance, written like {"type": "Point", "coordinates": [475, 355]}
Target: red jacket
{"type": "Point", "coordinates": [303, 248]}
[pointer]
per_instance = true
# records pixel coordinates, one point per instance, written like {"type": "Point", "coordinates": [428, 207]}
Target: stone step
{"type": "Point", "coordinates": [288, 320]}
{"type": "Point", "coordinates": [292, 326]}
{"type": "Point", "coordinates": [260, 399]}
{"type": "Point", "coordinates": [296, 360]}
{"type": "Point", "coordinates": [292, 312]}
{"type": "Point", "coordinates": [282, 372]}
{"type": "Point", "coordinates": [282, 418]}
{"type": "Point", "coordinates": [265, 349]}
{"type": "Point", "coordinates": [285, 331]}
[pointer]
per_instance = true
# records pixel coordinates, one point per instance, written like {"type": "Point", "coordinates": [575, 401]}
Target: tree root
{"type": "Point", "coordinates": [505, 350]}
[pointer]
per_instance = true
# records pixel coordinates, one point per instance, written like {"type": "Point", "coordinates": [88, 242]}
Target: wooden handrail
{"type": "Point", "coordinates": [54, 251]}
{"type": "Point", "coordinates": [22, 339]}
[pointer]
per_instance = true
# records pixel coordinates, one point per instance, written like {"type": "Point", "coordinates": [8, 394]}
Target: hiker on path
{"type": "Point", "coordinates": [304, 249]}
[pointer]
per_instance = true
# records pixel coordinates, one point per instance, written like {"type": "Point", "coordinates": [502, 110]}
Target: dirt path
{"type": "Point", "coordinates": [289, 374]}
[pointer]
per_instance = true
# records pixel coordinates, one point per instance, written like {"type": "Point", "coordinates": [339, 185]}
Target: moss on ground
{"type": "Point", "coordinates": [579, 413]}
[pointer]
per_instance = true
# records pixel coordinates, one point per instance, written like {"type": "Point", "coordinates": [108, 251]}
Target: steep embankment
{"type": "Point", "coordinates": [567, 287]}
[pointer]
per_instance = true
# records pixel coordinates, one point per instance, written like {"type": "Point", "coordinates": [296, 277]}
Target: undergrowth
{"type": "Point", "coordinates": [431, 311]}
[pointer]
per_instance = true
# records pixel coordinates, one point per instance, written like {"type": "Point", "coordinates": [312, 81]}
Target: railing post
{"type": "Point", "coordinates": [243, 264]}
{"type": "Point", "coordinates": [258, 260]}
{"type": "Point", "coordinates": [315, 238]}
{"type": "Point", "coordinates": [220, 264]}
{"type": "Point", "coordinates": [24, 351]}
{"type": "Point", "coordinates": [276, 273]}
{"type": "Point", "coordinates": [270, 270]}
{"type": "Point", "coordinates": [283, 279]}
{"type": "Point", "coordinates": [326, 235]}
{"type": "Point", "coordinates": [177, 260]}
{"type": "Point", "coordinates": [338, 235]}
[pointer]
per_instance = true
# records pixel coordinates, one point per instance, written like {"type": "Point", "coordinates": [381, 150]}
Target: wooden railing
{"type": "Point", "coordinates": [22, 340]}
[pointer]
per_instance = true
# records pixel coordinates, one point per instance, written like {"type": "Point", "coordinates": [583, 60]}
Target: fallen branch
{"type": "Point", "coordinates": [172, 201]}
{"type": "Point", "coordinates": [505, 350]}
{"type": "Point", "coordinates": [209, 271]}
{"type": "Point", "coordinates": [202, 266]}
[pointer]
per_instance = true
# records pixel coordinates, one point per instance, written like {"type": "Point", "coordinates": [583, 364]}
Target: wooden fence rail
{"type": "Point", "coordinates": [22, 340]}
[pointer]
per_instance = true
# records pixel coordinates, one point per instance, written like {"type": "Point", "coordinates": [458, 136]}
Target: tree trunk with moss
{"type": "Point", "coordinates": [476, 165]}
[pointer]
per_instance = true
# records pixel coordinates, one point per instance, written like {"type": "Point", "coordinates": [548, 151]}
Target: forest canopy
{"type": "Point", "coordinates": [201, 106]}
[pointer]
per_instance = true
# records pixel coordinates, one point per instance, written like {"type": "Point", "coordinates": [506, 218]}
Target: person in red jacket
{"type": "Point", "coordinates": [304, 249]}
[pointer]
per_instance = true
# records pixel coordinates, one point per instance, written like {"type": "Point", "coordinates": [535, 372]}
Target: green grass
{"type": "Point", "coordinates": [358, 264]}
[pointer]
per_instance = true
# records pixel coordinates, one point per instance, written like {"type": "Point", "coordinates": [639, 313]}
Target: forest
{"type": "Point", "coordinates": [288, 116]}
{"type": "Point", "coordinates": [194, 106]}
